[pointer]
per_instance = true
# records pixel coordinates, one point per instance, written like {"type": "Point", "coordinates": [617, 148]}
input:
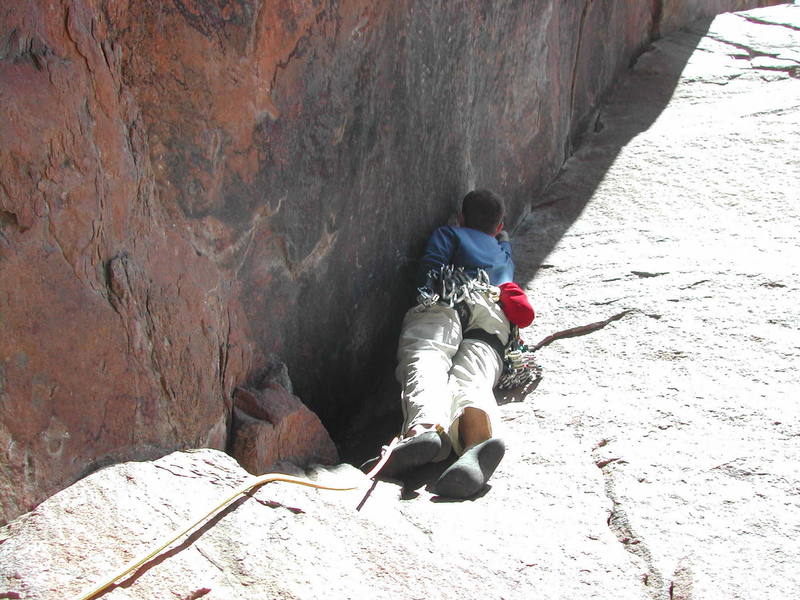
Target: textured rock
{"type": "Point", "coordinates": [270, 426]}
{"type": "Point", "coordinates": [190, 186]}
{"type": "Point", "coordinates": [118, 339]}
{"type": "Point", "coordinates": [656, 459]}
{"type": "Point", "coordinates": [291, 542]}
{"type": "Point", "coordinates": [688, 217]}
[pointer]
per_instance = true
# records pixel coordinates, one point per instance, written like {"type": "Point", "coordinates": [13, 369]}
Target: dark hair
{"type": "Point", "coordinates": [483, 210]}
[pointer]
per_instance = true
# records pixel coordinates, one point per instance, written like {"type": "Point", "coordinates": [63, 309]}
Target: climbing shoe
{"type": "Point", "coordinates": [467, 476]}
{"type": "Point", "coordinates": [409, 453]}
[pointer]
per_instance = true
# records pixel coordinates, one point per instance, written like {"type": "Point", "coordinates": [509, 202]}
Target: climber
{"type": "Point", "coordinates": [450, 353]}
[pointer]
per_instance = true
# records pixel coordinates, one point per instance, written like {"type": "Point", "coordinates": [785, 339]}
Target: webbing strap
{"type": "Point", "coordinates": [489, 338]}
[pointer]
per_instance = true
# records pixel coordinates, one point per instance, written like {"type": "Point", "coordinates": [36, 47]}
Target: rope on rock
{"type": "Point", "coordinates": [251, 484]}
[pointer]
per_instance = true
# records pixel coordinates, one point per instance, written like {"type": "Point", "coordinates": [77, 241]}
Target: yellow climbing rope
{"type": "Point", "coordinates": [253, 483]}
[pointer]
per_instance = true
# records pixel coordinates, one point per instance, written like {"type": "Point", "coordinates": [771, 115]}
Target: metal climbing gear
{"type": "Point", "coordinates": [453, 286]}
{"type": "Point", "coordinates": [519, 365]}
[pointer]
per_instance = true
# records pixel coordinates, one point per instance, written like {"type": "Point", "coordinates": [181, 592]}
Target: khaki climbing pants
{"type": "Point", "coordinates": [442, 373]}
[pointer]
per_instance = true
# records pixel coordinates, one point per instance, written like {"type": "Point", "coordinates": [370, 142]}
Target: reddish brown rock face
{"type": "Point", "coordinates": [272, 427]}
{"type": "Point", "coordinates": [189, 186]}
{"type": "Point", "coordinates": [119, 338]}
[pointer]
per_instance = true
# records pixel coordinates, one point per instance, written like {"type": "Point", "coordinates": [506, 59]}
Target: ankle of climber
{"type": "Point", "coordinates": [473, 427]}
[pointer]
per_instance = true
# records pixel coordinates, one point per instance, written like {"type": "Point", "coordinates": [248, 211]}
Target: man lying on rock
{"type": "Point", "coordinates": [451, 349]}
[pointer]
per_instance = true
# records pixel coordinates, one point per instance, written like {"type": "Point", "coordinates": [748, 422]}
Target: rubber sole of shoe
{"type": "Point", "coordinates": [467, 476]}
{"type": "Point", "coordinates": [409, 453]}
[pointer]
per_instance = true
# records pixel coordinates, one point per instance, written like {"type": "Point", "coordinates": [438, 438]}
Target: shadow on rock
{"type": "Point", "coordinates": [631, 107]}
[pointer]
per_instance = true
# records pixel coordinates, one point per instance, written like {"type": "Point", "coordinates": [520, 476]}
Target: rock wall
{"type": "Point", "coordinates": [190, 187]}
{"type": "Point", "coordinates": [657, 458]}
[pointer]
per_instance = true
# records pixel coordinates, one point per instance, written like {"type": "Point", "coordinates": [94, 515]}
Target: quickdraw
{"type": "Point", "coordinates": [519, 365]}
{"type": "Point", "coordinates": [451, 286]}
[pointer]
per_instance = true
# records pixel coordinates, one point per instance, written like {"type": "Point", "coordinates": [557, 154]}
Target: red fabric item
{"type": "Point", "coordinates": [515, 304]}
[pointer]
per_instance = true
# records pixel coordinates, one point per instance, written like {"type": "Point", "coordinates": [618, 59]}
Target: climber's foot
{"type": "Point", "coordinates": [467, 476]}
{"type": "Point", "coordinates": [410, 452]}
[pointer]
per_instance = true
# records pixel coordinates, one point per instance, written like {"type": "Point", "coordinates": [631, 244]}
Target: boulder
{"type": "Point", "coordinates": [271, 427]}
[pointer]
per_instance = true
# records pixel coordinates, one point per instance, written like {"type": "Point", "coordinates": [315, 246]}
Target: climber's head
{"type": "Point", "coordinates": [483, 210]}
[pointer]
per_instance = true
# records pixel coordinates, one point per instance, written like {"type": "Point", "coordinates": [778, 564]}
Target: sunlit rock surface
{"type": "Point", "coordinates": [656, 459]}
{"type": "Point", "coordinates": [687, 406]}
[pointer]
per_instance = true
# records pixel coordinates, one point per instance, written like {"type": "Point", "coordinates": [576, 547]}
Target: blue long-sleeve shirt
{"type": "Point", "coordinates": [468, 248]}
